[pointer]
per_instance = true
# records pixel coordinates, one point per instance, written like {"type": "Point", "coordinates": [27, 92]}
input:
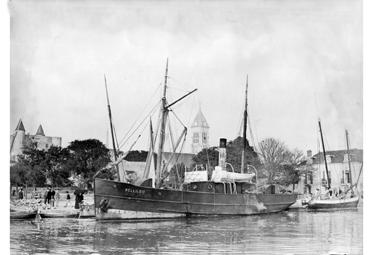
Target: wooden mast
{"type": "Point", "coordinates": [164, 114]}
{"type": "Point", "coordinates": [243, 159]}
{"type": "Point", "coordinates": [325, 158]}
{"type": "Point", "coordinates": [111, 127]}
{"type": "Point", "coordinates": [348, 156]}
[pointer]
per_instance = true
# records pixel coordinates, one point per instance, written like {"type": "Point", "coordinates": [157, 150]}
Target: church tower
{"type": "Point", "coordinates": [17, 141]}
{"type": "Point", "coordinates": [200, 133]}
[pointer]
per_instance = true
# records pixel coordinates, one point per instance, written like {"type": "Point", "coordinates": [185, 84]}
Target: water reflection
{"type": "Point", "coordinates": [290, 232]}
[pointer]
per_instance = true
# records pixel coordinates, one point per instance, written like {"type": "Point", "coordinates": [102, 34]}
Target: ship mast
{"type": "Point", "coordinates": [165, 108]}
{"type": "Point", "coordinates": [111, 126]}
{"type": "Point", "coordinates": [243, 159]}
{"type": "Point", "coordinates": [348, 156]}
{"type": "Point", "coordinates": [164, 115]}
{"type": "Point", "coordinates": [325, 158]}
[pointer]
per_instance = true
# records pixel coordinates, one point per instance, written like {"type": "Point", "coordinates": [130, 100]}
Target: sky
{"type": "Point", "coordinates": [304, 61]}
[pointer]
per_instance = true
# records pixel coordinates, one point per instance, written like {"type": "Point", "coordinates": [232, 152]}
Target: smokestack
{"type": "Point", "coordinates": [309, 153]}
{"type": "Point", "coordinates": [222, 153]}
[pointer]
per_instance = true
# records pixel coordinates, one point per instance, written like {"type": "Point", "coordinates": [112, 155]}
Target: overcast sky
{"type": "Point", "coordinates": [303, 59]}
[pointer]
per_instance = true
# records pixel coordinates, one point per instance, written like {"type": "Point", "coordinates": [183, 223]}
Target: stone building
{"type": "Point", "coordinates": [200, 133]}
{"type": "Point", "coordinates": [19, 140]}
{"type": "Point", "coordinates": [314, 175]}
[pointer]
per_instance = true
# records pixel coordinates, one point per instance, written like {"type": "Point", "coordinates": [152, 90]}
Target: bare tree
{"type": "Point", "coordinates": [279, 162]}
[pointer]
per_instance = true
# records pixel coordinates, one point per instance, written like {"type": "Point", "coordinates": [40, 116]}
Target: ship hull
{"type": "Point", "coordinates": [118, 200]}
{"type": "Point", "coordinates": [334, 203]}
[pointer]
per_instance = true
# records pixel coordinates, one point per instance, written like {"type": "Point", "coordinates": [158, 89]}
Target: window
{"type": "Point", "coordinates": [204, 137]}
{"type": "Point", "coordinates": [195, 138]}
{"type": "Point", "coordinates": [348, 177]}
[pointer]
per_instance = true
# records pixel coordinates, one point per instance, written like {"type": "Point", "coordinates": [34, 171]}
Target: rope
{"type": "Point", "coordinates": [251, 134]}
{"type": "Point", "coordinates": [175, 115]}
{"type": "Point", "coordinates": [125, 138]}
{"type": "Point", "coordinates": [148, 102]}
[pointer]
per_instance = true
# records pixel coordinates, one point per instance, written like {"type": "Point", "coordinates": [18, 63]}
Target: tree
{"type": "Point", "coordinates": [279, 162]}
{"type": "Point", "coordinates": [46, 166]}
{"type": "Point", "coordinates": [208, 156]}
{"type": "Point", "coordinates": [18, 174]}
{"type": "Point", "coordinates": [87, 157]}
{"type": "Point", "coordinates": [234, 155]}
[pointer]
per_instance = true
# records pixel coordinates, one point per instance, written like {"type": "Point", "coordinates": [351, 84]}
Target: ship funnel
{"type": "Point", "coordinates": [222, 153]}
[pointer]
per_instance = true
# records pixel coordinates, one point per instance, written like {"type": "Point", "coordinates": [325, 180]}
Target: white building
{"type": "Point", "coordinates": [19, 140]}
{"type": "Point", "coordinates": [314, 173]}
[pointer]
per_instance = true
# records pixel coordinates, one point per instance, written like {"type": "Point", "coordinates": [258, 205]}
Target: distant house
{"type": "Point", "coordinates": [19, 140]}
{"type": "Point", "coordinates": [314, 175]}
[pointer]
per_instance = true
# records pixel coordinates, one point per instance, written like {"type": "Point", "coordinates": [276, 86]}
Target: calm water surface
{"type": "Point", "coordinates": [291, 232]}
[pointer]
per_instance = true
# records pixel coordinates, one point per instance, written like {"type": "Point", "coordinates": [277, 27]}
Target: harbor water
{"type": "Point", "coordinates": [289, 232]}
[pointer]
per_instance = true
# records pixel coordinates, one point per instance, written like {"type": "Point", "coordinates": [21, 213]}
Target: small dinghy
{"type": "Point", "coordinates": [334, 203]}
{"type": "Point", "coordinates": [22, 214]}
{"type": "Point", "coordinates": [59, 213]}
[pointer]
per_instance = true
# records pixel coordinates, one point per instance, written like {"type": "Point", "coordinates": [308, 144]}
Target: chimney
{"type": "Point", "coordinates": [222, 153]}
{"type": "Point", "coordinates": [309, 153]}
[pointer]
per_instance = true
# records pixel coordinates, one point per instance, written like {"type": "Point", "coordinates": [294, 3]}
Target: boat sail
{"type": "Point", "coordinates": [227, 193]}
{"type": "Point", "coordinates": [348, 199]}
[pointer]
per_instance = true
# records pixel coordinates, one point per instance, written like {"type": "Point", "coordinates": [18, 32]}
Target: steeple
{"type": "Point", "coordinates": [40, 131]}
{"type": "Point", "coordinates": [200, 133]}
{"type": "Point", "coordinates": [200, 120]}
{"type": "Point", "coordinates": [20, 126]}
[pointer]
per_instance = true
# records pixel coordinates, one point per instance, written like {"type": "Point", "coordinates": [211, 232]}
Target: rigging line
{"type": "Point", "coordinates": [350, 148]}
{"type": "Point", "coordinates": [192, 108]}
{"type": "Point", "coordinates": [250, 131]}
{"type": "Point", "coordinates": [165, 169]}
{"type": "Point", "coordinates": [180, 151]}
{"type": "Point", "coordinates": [175, 115]}
{"type": "Point", "coordinates": [240, 129]}
{"type": "Point", "coordinates": [124, 140]}
{"type": "Point", "coordinates": [135, 131]}
{"type": "Point", "coordinates": [143, 110]}
{"type": "Point", "coordinates": [178, 88]}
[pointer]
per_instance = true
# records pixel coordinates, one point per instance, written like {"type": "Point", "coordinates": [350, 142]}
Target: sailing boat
{"type": "Point", "coordinates": [227, 193]}
{"type": "Point", "coordinates": [348, 199]}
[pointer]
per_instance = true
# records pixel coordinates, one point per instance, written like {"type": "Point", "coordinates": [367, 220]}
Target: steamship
{"type": "Point", "coordinates": [226, 193]}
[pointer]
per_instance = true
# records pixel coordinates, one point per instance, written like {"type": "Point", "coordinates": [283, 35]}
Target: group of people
{"type": "Point", "coordinates": [51, 197]}
{"type": "Point", "coordinates": [333, 193]}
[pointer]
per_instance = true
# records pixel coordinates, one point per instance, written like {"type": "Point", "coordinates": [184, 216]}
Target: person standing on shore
{"type": "Point", "coordinates": [76, 195]}
{"type": "Point", "coordinates": [48, 196]}
{"type": "Point", "coordinates": [20, 195]}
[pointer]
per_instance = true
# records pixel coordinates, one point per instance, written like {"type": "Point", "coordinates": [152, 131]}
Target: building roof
{"type": "Point", "coordinates": [338, 156]}
{"type": "Point", "coordinates": [20, 126]}
{"type": "Point", "coordinates": [200, 120]}
{"type": "Point", "coordinates": [40, 131]}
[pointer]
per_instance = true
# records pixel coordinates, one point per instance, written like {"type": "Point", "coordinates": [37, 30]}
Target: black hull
{"type": "Point", "coordinates": [112, 198]}
{"type": "Point", "coordinates": [20, 215]}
